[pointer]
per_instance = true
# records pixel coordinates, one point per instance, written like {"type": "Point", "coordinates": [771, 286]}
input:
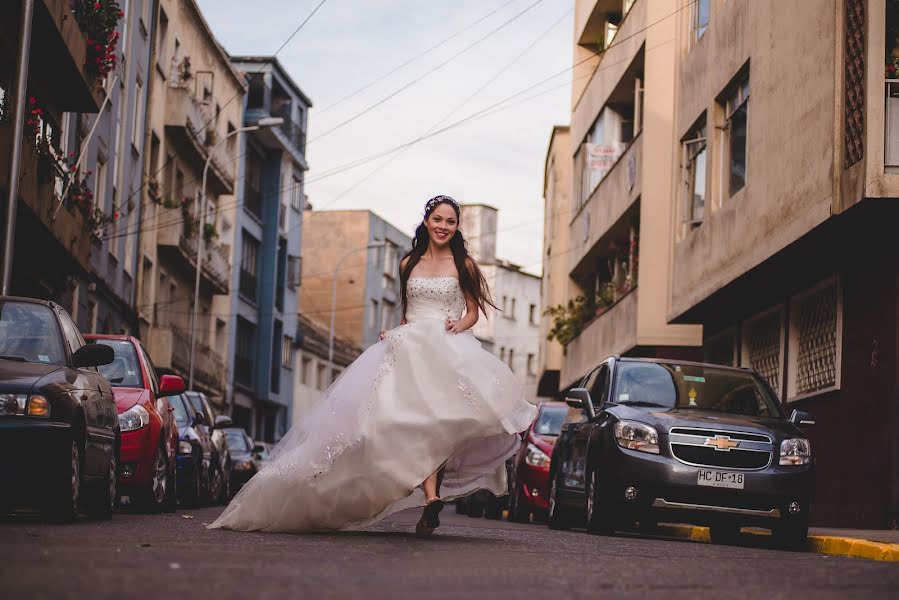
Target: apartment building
{"type": "Point", "coordinates": [196, 100]}
{"type": "Point", "coordinates": [51, 255]}
{"type": "Point", "coordinates": [617, 247]}
{"type": "Point", "coordinates": [783, 243]}
{"type": "Point", "coordinates": [365, 251]}
{"type": "Point", "coordinates": [268, 225]}
{"type": "Point", "coordinates": [512, 332]}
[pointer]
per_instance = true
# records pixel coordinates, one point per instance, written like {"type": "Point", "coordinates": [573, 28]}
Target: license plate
{"type": "Point", "coordinates": [721, 479]}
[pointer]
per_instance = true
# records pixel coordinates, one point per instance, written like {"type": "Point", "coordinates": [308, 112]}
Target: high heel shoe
{"type": "Point", "coordinates": [429, 520]}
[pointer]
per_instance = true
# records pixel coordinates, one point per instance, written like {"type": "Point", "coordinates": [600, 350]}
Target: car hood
{"type": "Point", "coordinates": [544, 442]}
{"type": "Point", "coordinates": [125, 397]}
{"type": "Point", "coordinates": [21, 377]}
{"type": "Point", "coordinates": [664, 419]}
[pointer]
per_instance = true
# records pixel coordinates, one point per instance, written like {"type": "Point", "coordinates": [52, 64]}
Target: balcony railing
{"type": "Point", "coordinates": [891, 130]}
{"type": "Point", "coordinates": [292, 130]}
{"type": "Point", "coordinates": [216, 263]}
{"type": "Point", "coordinates": [209, 367]}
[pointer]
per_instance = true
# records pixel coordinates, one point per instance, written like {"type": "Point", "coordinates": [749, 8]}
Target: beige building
{"type": "Point", "coordinates": [195, 99]}
{"type": "Point", "coordinates": [368, 289]}
{"type": "Point", "coordinates": [617, 251]}
{"type": "Point", "coordinates": [783, 237]}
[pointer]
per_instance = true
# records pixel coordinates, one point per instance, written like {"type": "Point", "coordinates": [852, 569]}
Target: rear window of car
{"type": "Point", "coordinates": [549, 421]}
{"type": "Point", "coordinates": [30, 333]}
{"type": "Point", "coordinates": [124, 370]}
{"type": "Point", "coordinates": [698, 387]}
{"type": "Point", "coordinates": [237, 441]}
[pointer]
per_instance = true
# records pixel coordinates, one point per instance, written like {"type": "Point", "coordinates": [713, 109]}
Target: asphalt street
{"type": "Point", "coordinates": [174, 556]}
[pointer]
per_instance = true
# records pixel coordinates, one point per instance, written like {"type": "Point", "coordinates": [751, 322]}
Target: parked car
{"type": "Point", "coordinates": [529, 484]}
{"type": "Point", "coordinates": [261, 450]}
{"type": "Point", "coordinates": [195, 452]}
{"type": "Point", "coordinates": [219, 490]}
{"type": "Point", "coordinates": [59, 435]}
{"type": "Point", "coordinates": [483, 503]}
{"type": "Point", "coordinates": [147, 467]}
{"type": "Point", "coordinates": [240, 446]}
{"type": "Point", "coordinates": [681, 441]}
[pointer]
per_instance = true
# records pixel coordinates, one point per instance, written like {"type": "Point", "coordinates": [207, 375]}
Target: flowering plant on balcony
{"type": "Point", "coordinates": [210, 232]}
{"type": "Point", "coordinates": [892, 68]}
{"type": "Point", "coordinates": [99, 19]}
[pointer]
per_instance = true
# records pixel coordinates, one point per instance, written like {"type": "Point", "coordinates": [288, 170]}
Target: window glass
{"type": "Point", "coordinates": [549, 421]}
{"type": "Point", "coordinates": [29, 332]}
{"type": "Point", "coordinates": [236, 441]}
{"type": "Point", "coordinates": [182, 415]}
{"type": "Point", "coordinates": [124, 370]}
{"type": "Point", "coordinates": [151, 368]}
{"type": "Point", "coordinates": [71, 333]}
{"type": "Point", "coordinates": [701, 18]}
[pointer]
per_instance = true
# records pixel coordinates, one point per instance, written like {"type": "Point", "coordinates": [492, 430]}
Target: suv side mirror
{"type": "Point", "coordinates": [580, 398]}
{"type": "Point", "coordinates": [800, 417]}
{"type": "Point", "coordinates": [171, 385]}
{"type": "Point", "coordinates": [93, 355]}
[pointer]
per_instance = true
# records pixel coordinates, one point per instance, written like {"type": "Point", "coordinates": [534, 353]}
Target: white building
{"type": "Point", "coordinates": [513, 333]}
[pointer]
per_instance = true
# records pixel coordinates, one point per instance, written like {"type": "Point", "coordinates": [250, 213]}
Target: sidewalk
{"type": "Point", "coordinates": [870, 544]}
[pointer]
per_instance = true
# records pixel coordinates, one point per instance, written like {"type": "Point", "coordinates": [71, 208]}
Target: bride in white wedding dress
{"type": "Point", "coordinates": [424, 408]}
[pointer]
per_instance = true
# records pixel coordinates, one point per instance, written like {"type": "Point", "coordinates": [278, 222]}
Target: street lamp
{"type": "Point", "coordinates": [334, 303]}
{"type": "Point", "coordinates": [262, 123]}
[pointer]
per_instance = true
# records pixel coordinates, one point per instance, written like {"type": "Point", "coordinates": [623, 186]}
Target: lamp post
{"type": "Point", "coordinates": [262, 123]}
{"type": "Point", "coordinates": [334, 303]}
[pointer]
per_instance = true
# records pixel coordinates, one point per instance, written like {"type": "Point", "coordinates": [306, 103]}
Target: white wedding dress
{"type": "Point", "coordinates": [421, 397]}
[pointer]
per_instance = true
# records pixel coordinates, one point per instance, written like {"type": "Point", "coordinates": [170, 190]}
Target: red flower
{"type": "Point", "coordinates": [120, 14]}
{"type": "Point", "coordinates": [115, 216]}
{"type": "Point", "coordinates": [32, 100]}
{"type": "Point", "coordinates": [96, 6]}
{"type": "Point", "coordinates": [98, 48]}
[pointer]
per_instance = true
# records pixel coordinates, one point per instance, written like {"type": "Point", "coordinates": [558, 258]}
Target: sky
{"type": "Point", "coordinates": [495, 159]}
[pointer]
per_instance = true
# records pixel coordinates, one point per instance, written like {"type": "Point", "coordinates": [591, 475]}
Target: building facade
{"type": "Point", "coordinates": [512, 332]}
{"type": "Point", "coordinates": [268, 226]}
{"type": "Point", "coordinates": [368, 285]}
{"type": "Point", "coordinates": [53, 241]}
{"type": "Point", "coordinates": [195, 100]}
{"type": "Point", "coordinates": [111, 145]}
{"type": "Point", "coordinates": [783, 243]}
{"type": "Point", "coordinates": [311, 374]}
{"type": "Point", "coordinates": [618, 255]}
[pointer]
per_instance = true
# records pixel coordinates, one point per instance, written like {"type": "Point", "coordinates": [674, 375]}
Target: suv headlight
{"type": "Point", "coordinates": [134, 418]}
{"type": "Point", "coordinates": [637, 436]}
{"type": "Point", "coordinates": [24, 405]}
{"type": "Point", "coordinates": [795, 451]}
{"type": "Point", "coordinates": [536, 457]}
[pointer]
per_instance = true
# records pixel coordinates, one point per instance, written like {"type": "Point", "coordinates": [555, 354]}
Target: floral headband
{"type": "Point", "coordinates": [437, 200]}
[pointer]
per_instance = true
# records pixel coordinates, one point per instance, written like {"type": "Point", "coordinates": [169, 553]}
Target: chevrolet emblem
{"type": "Point", "coordinates": [722, 442]}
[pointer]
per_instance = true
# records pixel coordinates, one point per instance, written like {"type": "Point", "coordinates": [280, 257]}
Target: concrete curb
{"type": "Point", "coordinates": [821, 544]}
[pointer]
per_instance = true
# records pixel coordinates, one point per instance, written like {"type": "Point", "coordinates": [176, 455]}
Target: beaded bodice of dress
{"type": "Point", "coordinates": [434, 298]}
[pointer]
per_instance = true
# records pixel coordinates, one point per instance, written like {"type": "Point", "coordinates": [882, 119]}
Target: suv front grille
{"type": "Point", "coordinates": [740, 450]}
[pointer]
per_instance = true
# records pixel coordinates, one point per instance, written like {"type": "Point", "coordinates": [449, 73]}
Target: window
{"type": "Point", "coordinates": [100, 184]}
{"type": "Point", "coordinates": [321, 375]}
{"type": "Point", "coordinates": [145, 12]}
{"type": "Point", "coordinates": [277, 333]}
{"type": "Point", "coordinates": [700, 18]}
{"type": "Point", "coordinates": [505, 304]}
{"type": "Point", "coordinates": [294, 271]}
{"type": "Point", "coordinates": [532, 314]}
{"type": "Point", "coordinates": [512, 360]}
{"type": "Point", "coordinates": [388, 310]}
{"type": "Point", "coordinates": [763, 346]}
{"type": "Point", "coordinates": [252, 192]}
{"type": "Point", "coordinates": [694, 161]}
{"type": "Point", "coordinates": [512, 310]}
{"type": "Point", "coordinates": [282, 217]}
{"type": "Point", "coordinates": [736, 115]}
{"type": "Point", "coordinates": [390, 260]}
{"type": "Point", "coordinates": [137, 126]}
{"type": "Point", "coordinates": [305, 370]}
{"type": "Point", "coordinates": [126, 22]}
{"type": "Point", "coordinates": [815, 341]}
{"type": "Point", "coordinates": [531, 370]}
{"type": "Point", "coordinates": [296, 194]}
{"type": "Point", "coordinates": [374, 313]}
{"type": "Point", "coordinates": [249, 260]}
{"type": "Point", "coordinates": [162, 37]}
{"type": "Point", "coordinates": [502, 353]}
{"type": "Point", "coordinates": [287, 352]}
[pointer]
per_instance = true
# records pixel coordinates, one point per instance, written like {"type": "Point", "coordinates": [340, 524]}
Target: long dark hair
{"type": "Point", "coordinates": [471, 280]}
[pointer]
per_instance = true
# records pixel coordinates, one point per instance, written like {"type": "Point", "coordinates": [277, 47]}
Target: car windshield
{"type": "Point", "coordinates": [124, 370]}
{"type": "Point", "coordinates": [30, 333]}
{"type": "Point", "coordinates": [181, 415]}
{"type": "Point", "coordinates": [237, 441]}
{"type": "Point", "coordinates": [549, 421]}
{"type": "Point", "coordinates": [693, 387]}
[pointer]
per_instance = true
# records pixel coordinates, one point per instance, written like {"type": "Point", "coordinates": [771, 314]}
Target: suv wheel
{"type": "Point", "coordinates": [601, 516]}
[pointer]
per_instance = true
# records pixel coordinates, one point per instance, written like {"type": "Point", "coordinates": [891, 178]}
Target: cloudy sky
{"type": "Point", "coordinates": [495, 159]}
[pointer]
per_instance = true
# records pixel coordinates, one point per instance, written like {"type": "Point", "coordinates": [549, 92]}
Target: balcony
{"type": "Point", "coordinates": [186, 119]}
{"type": "Point", "coordinates": [263, 101]}
{"type": "Point", "coordinates": [169, 348]}
{"type": "Point", "coordinates": [177, 246]}
{"type": "Point", "coordinates": [40, 185]}
{"type": "Point", "coordinates": [612, 332]}
{"type": "Point", "coordinates": [609, 202]}
{"type": "Point", "coordinates": [58, 56]}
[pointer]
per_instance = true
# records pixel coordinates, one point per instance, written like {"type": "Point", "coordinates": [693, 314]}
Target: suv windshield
{"type": "Point", "coordinates": [124, 370]}
{"type": "Point", "coordinates": [30, 333]}
{"type": "Point", "coordinates": [549, 422]}
{"type": "Point", "coordinates": [237, 441]}
{"type": "Point", "coordinates": [693, 387]}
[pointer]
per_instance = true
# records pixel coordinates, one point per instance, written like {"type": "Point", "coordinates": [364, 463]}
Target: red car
{"type": "Point", "coordinates": [147, 461]}
{"type": "Point", "coordinates": [529, 482]}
